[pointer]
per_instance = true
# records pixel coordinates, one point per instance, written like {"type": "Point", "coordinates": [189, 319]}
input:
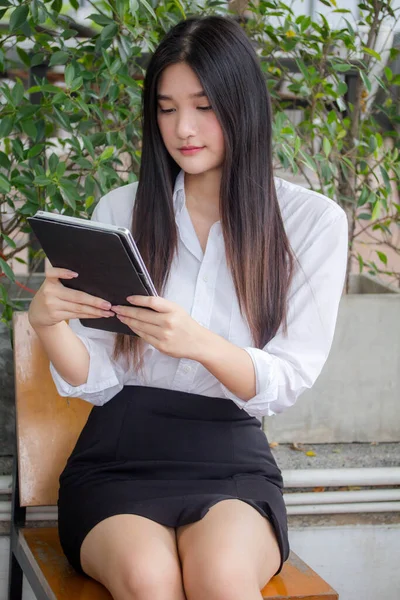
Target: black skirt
{"type": "Point", "coordinates": [168, 456]}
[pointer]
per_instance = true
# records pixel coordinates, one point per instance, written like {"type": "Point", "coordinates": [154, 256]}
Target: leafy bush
{"type": "Point", "coordinates": [70, 108]}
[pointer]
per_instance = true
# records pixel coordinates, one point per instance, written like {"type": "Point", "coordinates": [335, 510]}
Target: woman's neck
{"type": "Point", "coordinates": [202, 193]}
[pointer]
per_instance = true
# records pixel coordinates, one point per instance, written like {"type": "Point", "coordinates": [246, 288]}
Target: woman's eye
{"type": "Point", "coordinates": [170, 110]}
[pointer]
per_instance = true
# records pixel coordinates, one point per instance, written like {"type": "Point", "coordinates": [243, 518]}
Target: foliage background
{"type": "Point", "coordinates": [70, 109]}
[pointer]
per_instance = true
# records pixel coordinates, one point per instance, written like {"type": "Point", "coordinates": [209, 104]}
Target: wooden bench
{"type": "Point", "coordinates": [47, 427]}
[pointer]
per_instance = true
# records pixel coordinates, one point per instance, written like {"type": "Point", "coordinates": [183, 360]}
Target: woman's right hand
{"type": "Point", "coordinates": [53, 302]}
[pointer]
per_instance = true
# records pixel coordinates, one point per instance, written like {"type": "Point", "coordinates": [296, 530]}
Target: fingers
{"type": "Point", "coordinates": [62, 308]}
{"type": "Point", "coordinates": [74, 296]}
{"type": "Point", "coordinates": [77, 297]}
{"type": "Point", "coordinates": [58, 273]}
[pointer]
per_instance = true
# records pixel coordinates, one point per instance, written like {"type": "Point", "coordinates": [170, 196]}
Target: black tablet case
{"type": "Point", "coordinates": [105, 268]}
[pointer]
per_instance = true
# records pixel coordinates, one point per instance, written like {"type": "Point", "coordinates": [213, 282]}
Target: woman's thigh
{"type": "Point", "coordinates": [134, 558]}
{"type": "Point", "coordinates": [231, 553]}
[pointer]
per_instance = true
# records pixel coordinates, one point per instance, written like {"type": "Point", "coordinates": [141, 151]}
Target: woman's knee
{"type": "Point", "coordinates": [148, 578]}
{"type": "Point", "coordinates": [220, 578]}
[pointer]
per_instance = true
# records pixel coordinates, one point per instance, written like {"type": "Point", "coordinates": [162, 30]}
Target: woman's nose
{"type": "Point", "coordinates": [186, 125]}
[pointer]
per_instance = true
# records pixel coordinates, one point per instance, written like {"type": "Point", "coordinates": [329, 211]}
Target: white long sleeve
{"type": "Point", "coordinates": [288, 365]}
{"type": "Point", "coordinates": [202, 284]}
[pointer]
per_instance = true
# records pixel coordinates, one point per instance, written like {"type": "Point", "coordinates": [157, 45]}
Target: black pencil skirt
{"type": "Point", "coordinates": [168, 456]}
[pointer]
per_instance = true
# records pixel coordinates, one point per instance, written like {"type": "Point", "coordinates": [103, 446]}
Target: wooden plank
{"type": "Point", "coordinates": [297, 580]}
{"type": "Point", "coordinates": [47, 424]}
{"type": "Point", "coordinates": [31, 569]}
{"type": "Point", "coordinates": [64, 581]}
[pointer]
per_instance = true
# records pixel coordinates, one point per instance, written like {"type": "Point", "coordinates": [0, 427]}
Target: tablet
{"type": "Point", "coordinates": [105, 256]}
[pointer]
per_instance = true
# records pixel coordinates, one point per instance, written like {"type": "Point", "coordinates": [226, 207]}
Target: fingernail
{"type": "Point", "coordinates": [106, 305]}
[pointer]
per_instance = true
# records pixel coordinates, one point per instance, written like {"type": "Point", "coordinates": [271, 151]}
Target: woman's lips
{"type": "Point", "coordinates": [190, 152]}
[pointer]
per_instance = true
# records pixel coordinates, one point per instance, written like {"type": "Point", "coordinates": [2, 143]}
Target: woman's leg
{"type": "Point", "coordinates": [229, 554]}
{"type": "Point", "coordinates": [134, 558]}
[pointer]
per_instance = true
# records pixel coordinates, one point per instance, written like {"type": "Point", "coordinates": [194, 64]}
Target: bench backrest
{"type": "Point", "coordinates": [47, 424]}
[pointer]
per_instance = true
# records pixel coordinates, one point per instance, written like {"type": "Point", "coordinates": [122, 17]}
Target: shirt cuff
{"type": "Point", "coordinates": [266, 385]}
{"type": "Point", "coordinates": [101, 377]}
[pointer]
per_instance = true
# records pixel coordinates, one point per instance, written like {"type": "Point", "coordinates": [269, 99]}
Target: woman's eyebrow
{"type": "Point", "coordinates": [196, 95]}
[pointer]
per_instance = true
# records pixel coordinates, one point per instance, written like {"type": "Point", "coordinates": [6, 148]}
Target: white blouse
{"type": "Point", "coordinates": [202, 284]}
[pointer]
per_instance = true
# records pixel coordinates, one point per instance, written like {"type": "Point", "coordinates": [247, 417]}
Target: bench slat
{"type": "Point", "coordinates": [47, 425]}
{"type": "Point", "coordinates": [64, 581]}
{"type": "Point", "coordinates": [295, 581]}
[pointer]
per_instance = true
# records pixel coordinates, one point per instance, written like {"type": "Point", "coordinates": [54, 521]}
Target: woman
{"type": "Point", "coordinates": [172, 491]}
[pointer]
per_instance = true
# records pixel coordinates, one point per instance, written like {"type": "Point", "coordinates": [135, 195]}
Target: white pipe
{"type": "Point", "coordinates": [307, 509]}
{"type": "Point", "coordinates": [361, 507]}
{"type": "Point", "coordinates": [377, 495]}
{"type": "Point", "coordinates": [341, 477]}
{"type": "Point", "coordinates": [310, 477]}
{"type": "Point", "coordinates": [5, 484]}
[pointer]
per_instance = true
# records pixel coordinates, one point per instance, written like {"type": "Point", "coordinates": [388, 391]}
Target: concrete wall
{"type": "Point", "coordinates": [356, 397]}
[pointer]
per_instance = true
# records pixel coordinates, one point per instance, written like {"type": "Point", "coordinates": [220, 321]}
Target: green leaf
{"type": "Point", "coordinates": [53, 162]}
{"type": "Point", "coordinates": [388, 73]}
{"type": "Point", "coordinates": [35, 150]}
{"type": "Point", "coordinates": [24, 56]}
{"type": "Point", "coordinates": [341, 67]}
{"type": "Point", "coordinates": [133, 6]}
{"type": "Point", "coordinates": [5, 185]}
{"type": "Point", "coordinates": [59, 58]}
{"type": "Point", "coordinates": [4, 161]}
{"type": "Point", "coordinates": [363, 196]}
{"type": "Point", "coordinates": [360, 262]}
{"type": "Point", "coordinates": [107, 153]}
{"type": "Point", "coordinates": [9, 241]}
{"type": "Point", "coordinates": [84, 163]}
{"type": "Point", "coordinates": [18, 17]}
{"type": "Point", "coordinates": [82, 106]}
{"type": "Point", "coordinates": [17, 93]}
{"type": "Point", "coordinates": [76, 84]}
{"type": "Point", "coordinates": [89, 201]}
{"type": "Point", "coordinates": [6, 125]}
{"type": "Point", "coordinates": [62, 119]}
{"type": "Point", "coordinates": [7, 270]}
{"type": "Point", "coordinates": [61, 168]}
{"type": "Point", "coordinates": [56, 5]}
{"type": "Point", "coordinates": [326, 146]}
{"type": "Point", "coordinates": [372, 53]}
{"type": "Point", "coordinates": [29, 128]}
{"type": "Point", "coordinates": [366, 81]}
{"type": "Point", "coordinates": [88, 145]}
{"type": "Point", "coordinates": [41, 180]}
{"type": "Point", "coordinates": [69, 74]}
{"type": "Point", "coordinates": [382, 257]}
{"type": "Point", "coordinates": [100, 19]}
{"type": "Point", "coordinates": [386, 178]}
{"type": "Point", "coordinates": [109, 31]}
{"type": "Point", "coordinates": [148, 8]}
{"type": "Point", "coordinates": [37, 59]}
{"type": "Point", "coordinates": [376, 210]}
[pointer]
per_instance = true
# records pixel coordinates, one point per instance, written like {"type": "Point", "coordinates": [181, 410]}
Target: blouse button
{"type": "Point", "coordinates": [186, 368]}
{"type": "Point", "coordinates": [205, 278]}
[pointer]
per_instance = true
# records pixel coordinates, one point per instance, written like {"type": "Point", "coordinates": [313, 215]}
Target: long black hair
{"type": "Point", "coordinates": [257, 249]}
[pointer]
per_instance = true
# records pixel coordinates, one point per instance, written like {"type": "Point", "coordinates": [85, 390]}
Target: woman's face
{"type": "Point", "coordinates": [185, 118]}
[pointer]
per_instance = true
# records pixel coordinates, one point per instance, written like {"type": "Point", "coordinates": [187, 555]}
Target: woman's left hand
{"type": "Point", "coordinates": [168, 327]}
